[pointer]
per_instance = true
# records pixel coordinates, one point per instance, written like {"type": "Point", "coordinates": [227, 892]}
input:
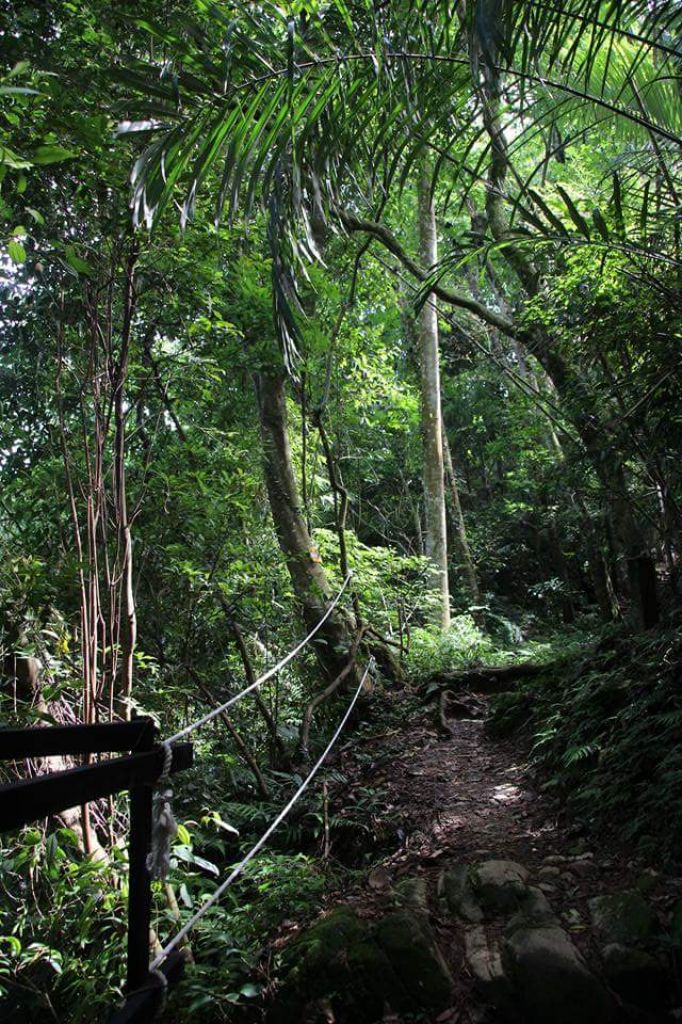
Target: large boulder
{"type": "Point", "coordinates": [499, 885]}
{"type": "Point", "coordinates": [676, 925]}
{"type": "Point", "coordinates": [484, 960]}
{"type": "Point", "coordinates": [357, 968]}
{"type": "Point", "coordinates": [408, 941]}
{"type": "Point", "coordinates": [320, 963]}
{"type": "Point", "coordinates": [637, 976]}
{"type": "Point", "coordinates": [412, 893]}
{"type": "Point", "coordinates": [454, 885]}
{"type": "Point", "coordinates": [552, 981]}
{"type": "Point", "coordinates": [624, 918]}
{"type": "Point", "coordinates": [534, 911]}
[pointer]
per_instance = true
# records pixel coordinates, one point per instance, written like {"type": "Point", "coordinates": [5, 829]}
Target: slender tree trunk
{"type": "Point", "coordinates": [242, 746]}
{"type": "Point", "coordinates": [340, 506]}
{"type": "Point", "coordinates": [308, 577]}
{"type": "Point", "coordinates": [128, 611]}
{"type": "Point", "coordinates": [279, 756]}
{"type": "Point", "coordinates": [434, 482]}
{"type": "Point", "coordinates": [460, 526]}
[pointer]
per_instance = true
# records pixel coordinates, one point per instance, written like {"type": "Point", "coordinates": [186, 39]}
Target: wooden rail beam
{"type": "Point", "coordinates": [30, 799]}
{"type": "Point", "coordinates": [45, 741]}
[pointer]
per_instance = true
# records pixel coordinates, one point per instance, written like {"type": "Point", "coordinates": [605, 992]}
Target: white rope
{"type": "Point", "coordinates": [266, 675]}
{"type": "Point", "coordinates": [236, 872]}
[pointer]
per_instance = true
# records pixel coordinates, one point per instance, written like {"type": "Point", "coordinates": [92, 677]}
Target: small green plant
{"type": "Point", "coordinates": [463, 644]}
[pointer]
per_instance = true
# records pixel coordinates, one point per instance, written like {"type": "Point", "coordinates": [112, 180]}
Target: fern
{"type": "Point", "coordinates": [581, 753]}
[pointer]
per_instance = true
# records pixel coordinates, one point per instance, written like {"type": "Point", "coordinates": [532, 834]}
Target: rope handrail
{"type": "Point", "coordinates": [213, 899]}
{"type": "Point", "coordinates": [210, 715]}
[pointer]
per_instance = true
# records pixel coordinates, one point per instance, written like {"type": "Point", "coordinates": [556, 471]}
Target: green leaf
{"type": "Point", "coordinates": [12, 159]}
{"type": "Point", "coordinates": [75, 261]}
{"type": "Point", "coordinates": [16, 251]}
{"type": "Point", "coordinates": [548, 212]}
{"type": "Point", "coordinates": [574, 213]}
{"type": "Point", "coordinates": [184, 836]}
{"type": "Point", "coordinates": [17, 90]}
{"type": "Point", "coordinates": [618, 206]}
{"type": "Point", "coordinates": [13, 943]}
{"type": "Point", "coordinates": [51, 154]}
{"type": "Point", "coordinates": [600, 224]}
{"type": "Point", "coordinates": [250, 991]}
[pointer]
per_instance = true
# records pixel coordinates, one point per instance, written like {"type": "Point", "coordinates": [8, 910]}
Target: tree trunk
{"type": "Point", "coordinates": [467, 561]}
{"type": "Point", "coordinates": [308, 577]}
{"type": "Point", "coordinates": [434, 483]}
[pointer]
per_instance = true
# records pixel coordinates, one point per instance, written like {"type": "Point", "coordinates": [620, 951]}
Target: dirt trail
{"type": "Point", "coordinates": [465, 796]}
{"type": "Point", "coordinates": [468, 798]}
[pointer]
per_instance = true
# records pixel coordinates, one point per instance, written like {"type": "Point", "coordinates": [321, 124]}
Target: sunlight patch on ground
{"type": "Point", "coordinates": [506, 794]}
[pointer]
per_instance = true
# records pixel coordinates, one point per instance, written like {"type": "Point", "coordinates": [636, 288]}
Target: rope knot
{"type": "Point", "coordinates": [165, 827]}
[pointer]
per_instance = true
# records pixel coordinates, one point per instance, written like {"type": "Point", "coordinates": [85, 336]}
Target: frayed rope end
{"type": "Point", "coordinates": [165, 827]}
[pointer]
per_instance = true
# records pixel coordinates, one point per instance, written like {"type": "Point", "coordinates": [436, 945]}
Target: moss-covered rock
{"type": "Point", "coordinates": [676, 925]}
{"type": "Point", "coordinates": [624, 918]}
{"type": "Point", "coordinates": [321, 962]}
{"type": "Point", "coordinates": [358, 968]}
{"type": "Point", "coordinates": [534, 911]}
{"type": "Point", "coordinates": [499, 885]}
{"type": "Point", "coordinates": [637, 976]}
{"type": "Point", "coordinates": [412, 893]}
{"type": "Point", "coordinates": [552, 982]}
{"type": "Point", "coordinates": [454, 886]}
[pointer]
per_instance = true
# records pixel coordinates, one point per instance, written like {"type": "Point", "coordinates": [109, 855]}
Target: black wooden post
{"type": "Point", "coordinates": [139, 885]}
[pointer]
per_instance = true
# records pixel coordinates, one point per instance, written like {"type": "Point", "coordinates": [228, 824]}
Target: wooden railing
{"type": "Point", "coordinates": [30, 799]}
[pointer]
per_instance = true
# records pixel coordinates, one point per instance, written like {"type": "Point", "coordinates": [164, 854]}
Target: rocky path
{"type": "Point", "coordinates": [488, 908]}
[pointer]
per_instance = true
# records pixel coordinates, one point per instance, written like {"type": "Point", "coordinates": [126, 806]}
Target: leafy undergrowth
{"type": "Point", "coordinates": [606, 730]}
{"type": "Point", "coordinates": [46, 957]}
{"type": "Point", "coordinates": [483, 637]}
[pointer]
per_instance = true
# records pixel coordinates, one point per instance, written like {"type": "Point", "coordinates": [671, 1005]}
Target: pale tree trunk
{"type": "Point", "coordinates": [313, 591]}
{"type": "Point", "coordinates": [467, 561]}
{"type": "Point", "coordinates": [434, 482]}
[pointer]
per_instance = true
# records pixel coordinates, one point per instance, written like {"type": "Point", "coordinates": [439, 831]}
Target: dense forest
{"type": "Point", "coordinates": [350, 329]}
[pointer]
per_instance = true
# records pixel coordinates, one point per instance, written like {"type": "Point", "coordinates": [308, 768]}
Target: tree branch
{"type": "Point", "coordinates": [379, 231]}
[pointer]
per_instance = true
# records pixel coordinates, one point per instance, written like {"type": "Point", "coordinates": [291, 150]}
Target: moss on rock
{"type": "Point", "coordinates": [359, 968]}
{"type": "Point", "coordinates": [624, 917]}
{"type": "Point", "coordinates": [409, 944]}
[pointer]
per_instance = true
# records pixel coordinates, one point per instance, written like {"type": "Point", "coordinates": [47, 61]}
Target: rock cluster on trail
{"type": "Point", "coordinates": [520, 957]}
{"type": "Point", "coordinates": [519, 954]}
{"type": "Point", "coordinates": [624, 924]}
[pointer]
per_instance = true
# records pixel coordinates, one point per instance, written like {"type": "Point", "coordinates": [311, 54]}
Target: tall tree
{"type": "Point", "coordinates": [436, 545]}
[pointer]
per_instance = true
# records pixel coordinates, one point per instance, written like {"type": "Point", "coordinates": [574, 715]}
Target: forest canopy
{"type": "Point", "coordinates": [297, 297]}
